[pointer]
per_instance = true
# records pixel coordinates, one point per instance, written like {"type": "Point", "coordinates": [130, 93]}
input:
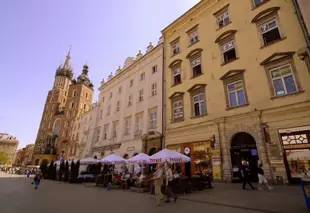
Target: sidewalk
{"type": "Point", "coordinates": [282, 199]}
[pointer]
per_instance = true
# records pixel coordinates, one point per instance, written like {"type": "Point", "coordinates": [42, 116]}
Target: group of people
{"type": "Point", "coordinates": [246, 176]}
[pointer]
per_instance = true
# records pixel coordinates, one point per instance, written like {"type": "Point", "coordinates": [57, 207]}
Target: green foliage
{"type": "Point", "coordinates": [4, 158]}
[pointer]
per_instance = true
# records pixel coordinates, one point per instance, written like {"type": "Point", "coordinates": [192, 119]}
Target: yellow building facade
{"type": "Point", "coordinates": [235, 88]}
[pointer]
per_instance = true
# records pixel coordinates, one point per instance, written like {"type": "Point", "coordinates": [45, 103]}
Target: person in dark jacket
{"type": "Point", "coordinates": [246, 174]}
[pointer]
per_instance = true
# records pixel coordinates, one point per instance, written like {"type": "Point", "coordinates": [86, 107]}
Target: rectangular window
{"type": "Point", "coordinates": [101, 111]}
{"type": "Point", "coordinates": [102, 100]}
{"type": "Point", "coordinates": [141, 95]}
{"type": "Point", "coordinates": [131, 83]}
{"type": "Point", "coordinates": [152, 119]}
{"type": "Point", "coordinates": [142, 76]}
{"type": "Point", "coordinates": [154, 89]}
{"type": "Point", "coordinates": [256, 3]}
{"type": "Point", "coordinates": [236, 94]}
{"type": "Point", "coordinates": [223, 19]}
{"type": "Point", "coordinates": [270, 32]}
{"type": "Point", "coordinates": [196, 66]}
{"type": "Point", "coordinates": [283, 80]}
{"type": "Point", "coordinates": [177, 110]}
{"type": "Point", "coordinates": [175, 47]}
{"type": "Point", "coordinates": [120, 90]}
{"type": "Point", "coordinates": [199, 106]}
{"type": "Point", "coordinates": [193, 37]}
{"type": "Point", "coordinates": [118, 105]}
{"type": "Point", "coordinates": [127, 126]}
{"type": "Point", "coordinates": [109, 110]}
{"type": "Point", "coordinates": [176, 75]}
{"type": "Point", "coordinates": [105, 131]}
{"type": "Point", "coordinates": [114, 133]}
{"type": "Point", "coordinates": [138, 125]}
{"type": "Point", "coordinates": [154, 69]}
{"type": "Point", "coordinates": [111, 94]}
{"type": "Point", "coordinates": [229, 52]}
{"type": "Point", "coordinates": [129, 100]}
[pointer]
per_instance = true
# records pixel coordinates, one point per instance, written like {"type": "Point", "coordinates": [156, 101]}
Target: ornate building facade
{"type": "Point", "coordinates": [236, 88]}
{"type": "Point", "coordinates": [66, 101]}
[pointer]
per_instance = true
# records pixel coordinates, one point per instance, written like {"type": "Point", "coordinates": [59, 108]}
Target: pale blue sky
{"type": "Point", "coordinates": [35, 37]}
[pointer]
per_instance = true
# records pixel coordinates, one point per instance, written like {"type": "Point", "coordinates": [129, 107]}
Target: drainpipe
{"type": "Point", "coordinates": [303, 25]}
{"type": "Point", "coordinates": [220, 146]}
{"type": "Point", "coordinates": [163, 128]}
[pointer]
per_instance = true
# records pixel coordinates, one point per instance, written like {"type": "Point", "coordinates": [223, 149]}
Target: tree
{"type": "Point", "coordinates": [4, 158]}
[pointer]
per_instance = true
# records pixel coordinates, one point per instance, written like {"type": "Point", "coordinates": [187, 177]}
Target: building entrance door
{"type": "Point", "coordinates": [296, 152]}
{"type": "Point", "coordinates": [243, 147]}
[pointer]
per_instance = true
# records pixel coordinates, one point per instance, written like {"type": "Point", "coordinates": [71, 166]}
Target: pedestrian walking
{"type": "Point", "coordinates": [246, 174]}
{"type": "Point", "coordinates": [158, 181]}
{"type": "Point", "coordinates": [37, 178]}
{"type": "Point", "coordinates": [170, 185]}
{"type": "Point", "coordinates": [27, 173]}
{"type": "Point", "coordinates": [262, 180]}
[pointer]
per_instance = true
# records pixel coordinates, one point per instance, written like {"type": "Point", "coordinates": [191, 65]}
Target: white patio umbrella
{"type": "Point", "coordinates": [113, 159]}
{"type": "Point", "coordinates": [140, 158]}
{"type": "Point", "coordinates": [89, 160]}
{"type": "Point", "coordinates": [167, 155]}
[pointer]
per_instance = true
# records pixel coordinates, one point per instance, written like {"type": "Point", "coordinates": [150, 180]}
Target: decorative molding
{"type": "Point", "coordinates": [193, 52]}
{"type": "Point", "coordinates": [225, 35]}
{"type": "Point", "coordinates": [265, 13]}
{"type": "Point", "coordinates": [277, 56]}
{"type": "Point", "coordinates": [196, 86]}
{"type": "Point", "coordinates": [175, 62]}
{"type": "Point", "coordinates": [218, 12]}
{"type": "Point", "coordinates": [176, 94]}
{"type": "Point", "coordinates": [231, 73]}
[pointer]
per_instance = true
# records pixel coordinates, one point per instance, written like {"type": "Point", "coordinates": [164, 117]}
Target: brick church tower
{"type": "Point", "coordinates": [64, 103]}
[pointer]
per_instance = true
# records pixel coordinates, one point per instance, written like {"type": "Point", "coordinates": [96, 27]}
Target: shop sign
{"type": "Point", "coordinates": [130, 149]}
{"type": "Point", "coordinates": [187, 150]}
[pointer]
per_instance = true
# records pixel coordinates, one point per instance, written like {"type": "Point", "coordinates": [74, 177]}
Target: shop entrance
{"type": "Point", "coordinates": [296, 152]}
{"type": "Point", "coordinates": [243, 147]}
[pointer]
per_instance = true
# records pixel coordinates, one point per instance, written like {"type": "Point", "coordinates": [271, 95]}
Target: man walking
{"type": "Point", "coordinates": [246, 174]}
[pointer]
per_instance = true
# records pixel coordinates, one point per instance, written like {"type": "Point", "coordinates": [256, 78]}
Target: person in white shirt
{"type": "Point", "coordinates": [158, 182]}
{"type": "Point", "coordinates": [170, 185]}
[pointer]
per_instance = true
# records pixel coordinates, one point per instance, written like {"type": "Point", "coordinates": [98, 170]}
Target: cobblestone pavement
{"type": "Point", "coordinates": [18, 196]}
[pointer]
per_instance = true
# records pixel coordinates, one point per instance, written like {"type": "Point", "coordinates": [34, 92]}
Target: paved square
{"type": "Point", "coordinates": [18, 196]}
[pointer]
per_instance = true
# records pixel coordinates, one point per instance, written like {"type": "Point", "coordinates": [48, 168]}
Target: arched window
{"type": "Point", "coordinates": [56, 126]}
{"type": "Point", "coordinates": [74, 93]}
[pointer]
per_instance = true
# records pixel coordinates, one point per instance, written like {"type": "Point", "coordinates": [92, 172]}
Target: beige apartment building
{"type": "Point", "coordinates": [130, 112]}
{"type": "Point", "coordinates": [237, 89]}
{"type": "Point", "coordinates": [83, 133]}
{"type": "Point", "coordinates": [8, 146]}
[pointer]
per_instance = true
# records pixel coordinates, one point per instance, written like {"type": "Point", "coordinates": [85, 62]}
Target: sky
{"type": "Point", "coordinates": [36, 35]}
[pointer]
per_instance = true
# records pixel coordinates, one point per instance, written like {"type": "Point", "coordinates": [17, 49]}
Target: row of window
{"type": "Point", "coordinates": [130, 99]}
{"type": "Point", "coordinates": [138, 129]}
{"type": "Point", "coordinates": [269, 32]}
{"type": "Point", "coordinates": [131, 82]}
{"type": "Point", "coordinates": [282, 80]}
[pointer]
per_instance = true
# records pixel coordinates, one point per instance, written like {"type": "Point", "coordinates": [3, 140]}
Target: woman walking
{"type": "Point", "coordinates": [170, 185]}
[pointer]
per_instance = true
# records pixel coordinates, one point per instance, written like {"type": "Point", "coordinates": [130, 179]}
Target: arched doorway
{"type": "Point", "coordinates": [37, 161]}
{"type": "Point", "coordinates": [243, 147]}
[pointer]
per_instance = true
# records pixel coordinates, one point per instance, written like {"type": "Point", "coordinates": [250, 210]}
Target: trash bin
{"type": "Point", "coordinates": [305, 183]}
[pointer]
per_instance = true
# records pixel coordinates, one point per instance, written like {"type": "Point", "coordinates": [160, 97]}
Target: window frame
{"type": "Point", "coordinates": [129, 100]}
{"type": "Point", "coordinates": [154, 89]}
{"type": "Point", "coordinates": [227, 50]}
{"type": "Point", "coordinates": [174, 75]}
{"type": "Point", "coordinates": [196, 57]}
{"type": "Point", "coordinates": [114, 129]}
{"type": "Point", "coordinates": [222, 13]}
{"type": "Point", "coordinates": [141, 95]}
{"type": "Point", "coordinates": [268, 21]}
{"type": "Point", "coordinates": [131, 83]}
{"type": "Point", "coordinates": [142, 76]}
{"type": "Point", "coordinates": [282, 80]}
{"type": "Point", "coordinates": [175, 48]}
{"type": "Point", "coordinates": [154, 69]}
{"type": "Point", "coordinates": [173, 102]}
{"type": "Point", "coordinates": [199, 104]}
{"type": "Point", "coordinates": [152, 121]}
{"type": "Point", "coordinates": [127, 126]}
{"type": "Point", "coordinates": [118, 106]}
{"type": "Point", "coordinates": [257, 5]}
{"type": "Point", "coordinates": [236, 92]}
{"type": "Point", "coordinates": [105, 131]}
